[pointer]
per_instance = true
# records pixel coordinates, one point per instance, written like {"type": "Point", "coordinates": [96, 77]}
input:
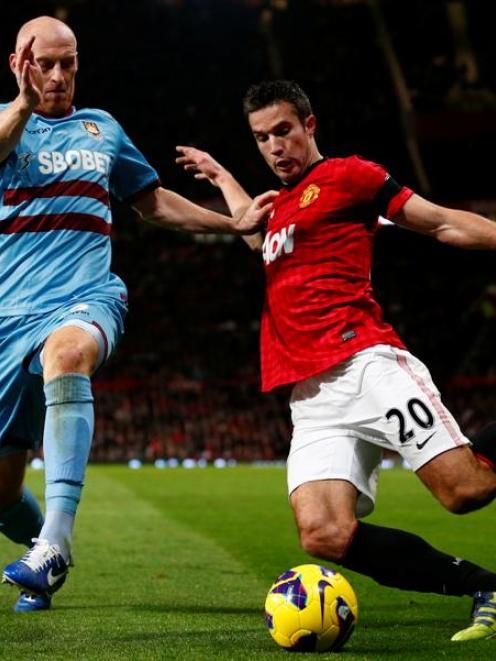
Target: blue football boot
{"type": "Point", "coordinates": [28, 603]}
{"type": "Point", "coordinates": [40, 571]}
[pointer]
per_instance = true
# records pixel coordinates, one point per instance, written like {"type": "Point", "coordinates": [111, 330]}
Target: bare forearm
{"type": "Point", "coordinates": [455, 227]}
{"type": "Point", "coordinates": [236, 197]}
{"type": "Point", "coordinates": [468, 230]}
{"type": "Point", "coordinates": [12, 122]}
{"type": "Point", "coordinates": [173, 211]}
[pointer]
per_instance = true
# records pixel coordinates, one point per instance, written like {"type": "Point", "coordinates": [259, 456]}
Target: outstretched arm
{"type": "Point", "coordinates": [203, 166]}
{"type": "Point", "coordinates": [172, 211]}
{"type": "Point", "coordinates": [456, 227]}
{"type": "Point", "coordinates": [14, 118]}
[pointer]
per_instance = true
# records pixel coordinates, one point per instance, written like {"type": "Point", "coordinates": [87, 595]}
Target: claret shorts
{"type": "Point", "coordinates": [382, 398]}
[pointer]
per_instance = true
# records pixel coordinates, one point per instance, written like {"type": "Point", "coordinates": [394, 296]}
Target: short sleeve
{"type": "Point", "coordinates": [371, 184]}
{"type": "Point", "coordinates": [131, 173]}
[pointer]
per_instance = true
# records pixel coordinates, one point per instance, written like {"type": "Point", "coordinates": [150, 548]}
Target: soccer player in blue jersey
{"type": "Point", "coordinates": [61, 310]}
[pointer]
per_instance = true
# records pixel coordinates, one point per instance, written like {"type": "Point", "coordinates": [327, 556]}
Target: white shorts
{"type": "Point", "coordinates": [381, 398]}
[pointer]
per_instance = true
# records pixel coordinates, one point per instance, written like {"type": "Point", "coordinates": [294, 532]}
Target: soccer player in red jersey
{"type": "Point", "coordinates": [356, 389]}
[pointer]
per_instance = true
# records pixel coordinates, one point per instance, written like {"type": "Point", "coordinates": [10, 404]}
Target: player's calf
{"type": "Point", "coordinates": [400, 559]}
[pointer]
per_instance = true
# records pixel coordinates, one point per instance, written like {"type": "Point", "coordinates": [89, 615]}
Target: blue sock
{"type": "Point", "coordinates": [22, 521]}
{"type": "Point", "coordinates": [68, 433]}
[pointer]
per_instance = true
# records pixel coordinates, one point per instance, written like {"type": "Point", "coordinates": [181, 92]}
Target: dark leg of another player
{"type": "Point", "coordinates": [20, 514]}
{"type": "Point", "coordinates": [20, 518]}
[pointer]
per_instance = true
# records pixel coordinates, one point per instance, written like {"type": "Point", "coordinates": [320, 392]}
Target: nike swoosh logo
{"type": "Point", "coordinates": [54, 578]}
{"type": "Point", "coordinates": [421, 445]}
{"type": "Point", "coordinates": [322, 585]}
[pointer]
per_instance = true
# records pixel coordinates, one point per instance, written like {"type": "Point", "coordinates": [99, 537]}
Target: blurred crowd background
{"type": "Point", "coordinates": [409, 84]}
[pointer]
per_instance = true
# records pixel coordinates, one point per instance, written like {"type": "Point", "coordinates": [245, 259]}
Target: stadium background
{"type": "Point", "coordinates": [408, 84]}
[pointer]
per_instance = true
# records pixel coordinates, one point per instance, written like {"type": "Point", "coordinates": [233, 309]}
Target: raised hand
{"type": "Point", "coordinates": [200, 164]}
{"type": "Point", "coordinates": [24, 69]}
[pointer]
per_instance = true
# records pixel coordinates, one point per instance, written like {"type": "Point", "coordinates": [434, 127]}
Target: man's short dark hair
{"type": "Point", "coordinates": [269, 92]}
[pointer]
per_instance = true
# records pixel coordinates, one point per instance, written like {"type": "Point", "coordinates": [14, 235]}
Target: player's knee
{"type": "Point", "coordinates": [62, 357]}
{"type": "Point", "coordinates": [464, 498]}
{"type": "Point", "coordinates": [329, 540]}
{"type": "Point", "coordinates": [68, 358]}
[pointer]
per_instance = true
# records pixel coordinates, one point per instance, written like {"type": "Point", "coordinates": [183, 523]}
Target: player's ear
{"type": "Point", "coordinates": [76, 63]}
{"type": "Point", "coordinates": [311, 124]}
{"type": "Point", "coordinates": [12, 62]}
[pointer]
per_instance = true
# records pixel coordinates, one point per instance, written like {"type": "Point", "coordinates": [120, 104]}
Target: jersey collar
{"type": "Point", "coordinates": [307, 171]}
{"type": "Point", "coordinates": [71, 111]}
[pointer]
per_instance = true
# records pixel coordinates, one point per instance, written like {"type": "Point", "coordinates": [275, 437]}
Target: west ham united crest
{"type": "Point", "coordinates": [92, 129]}
{"type": "Point", "coordinates": [309, 195]}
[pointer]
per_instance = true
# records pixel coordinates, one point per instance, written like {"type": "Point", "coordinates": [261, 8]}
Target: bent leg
{"type": "Point", "coordinates": [459, 480]}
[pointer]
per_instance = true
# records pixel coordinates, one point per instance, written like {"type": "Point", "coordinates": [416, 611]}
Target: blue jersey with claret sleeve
{"type": "Point", "coordinates": [55, 218]}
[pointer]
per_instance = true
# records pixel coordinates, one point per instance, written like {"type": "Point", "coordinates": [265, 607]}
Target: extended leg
{"type": "Point", "coordinates": [325, 515]}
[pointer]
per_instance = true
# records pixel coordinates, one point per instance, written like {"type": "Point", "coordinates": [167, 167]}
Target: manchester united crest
{"type": "Point", "coordinates": [309, 195]}
{"type": "Point", "coordinates": [92, 129]}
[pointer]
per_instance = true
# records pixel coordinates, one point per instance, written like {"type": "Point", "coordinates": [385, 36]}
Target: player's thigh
{"type": "Point", "coordinates": [318, 455]}
{"type": "Point", "coordinates": [12, 470]}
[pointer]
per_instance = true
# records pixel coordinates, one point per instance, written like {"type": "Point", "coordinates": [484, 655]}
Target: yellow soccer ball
{"type": "Point", "coordinates": [310, 608]}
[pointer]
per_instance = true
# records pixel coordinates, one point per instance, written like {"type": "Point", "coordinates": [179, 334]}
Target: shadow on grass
{"type": "Point", "coordinates": [165, 608]}
{"type": "Point", "coordinates": [417, 622]}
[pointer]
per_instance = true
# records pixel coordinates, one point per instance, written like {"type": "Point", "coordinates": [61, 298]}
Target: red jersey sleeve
{"type": "Point", "coordinates": [370, 183]}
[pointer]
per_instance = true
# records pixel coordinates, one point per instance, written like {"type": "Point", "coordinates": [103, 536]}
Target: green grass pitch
{"type": "Point", "coordinates": [175, 564]}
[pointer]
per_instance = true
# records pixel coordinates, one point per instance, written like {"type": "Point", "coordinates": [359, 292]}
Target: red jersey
{"type": "Point", "coordinates": [319, 307]}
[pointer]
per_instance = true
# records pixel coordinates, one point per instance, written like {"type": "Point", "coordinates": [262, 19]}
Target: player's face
{"type": "Point", "coordinates": [286, 143]}
{"type": "Point", "coordinates": [55, 60]}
